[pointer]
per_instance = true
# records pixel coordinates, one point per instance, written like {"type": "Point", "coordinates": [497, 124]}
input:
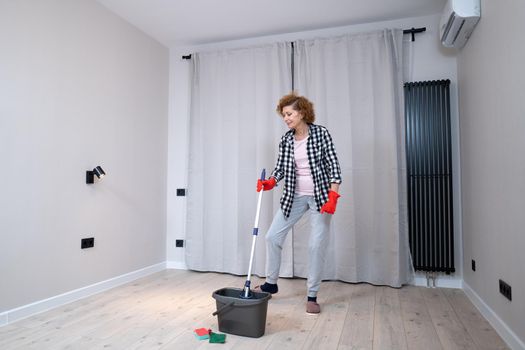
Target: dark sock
{"type": "Point", "coordinates": [314, 299]}
{"type": "Point", "coordinates": [269, 288]}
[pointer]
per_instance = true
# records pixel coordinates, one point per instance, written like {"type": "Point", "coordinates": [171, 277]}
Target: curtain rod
{"type": "Point", "coordinates": [414, 31]}
{"type": "Point", "coordinates": [405, 31]}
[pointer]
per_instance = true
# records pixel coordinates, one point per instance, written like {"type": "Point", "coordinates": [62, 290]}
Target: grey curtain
{"type": "Point", "coordinates": [355, 82]}
{"type": "Point", "coordinates": [234, 134]}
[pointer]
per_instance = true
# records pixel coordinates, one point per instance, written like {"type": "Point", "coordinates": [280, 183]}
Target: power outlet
{"type": "Point", "coordinates": [179, 243]}
{"type": "Point", "coordinates": [473, 265]}
{"type": "Point", "coordinates": [87, 243]}
{"type": "Point", "coordinates": [505, 289]}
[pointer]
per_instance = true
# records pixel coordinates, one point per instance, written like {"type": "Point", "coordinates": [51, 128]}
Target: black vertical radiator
{"type": "Point", "coordinates": [429, 176]}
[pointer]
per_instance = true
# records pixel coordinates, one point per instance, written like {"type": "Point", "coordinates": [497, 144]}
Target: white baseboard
{"type": "Point", "coordinates": [21, 312]}
{"type": "Point", "coordinates": [512, 340]}
{"type": "Point", "coordinates": [442, 281]}
{"type": "Point", "coordinates": [177, 265]}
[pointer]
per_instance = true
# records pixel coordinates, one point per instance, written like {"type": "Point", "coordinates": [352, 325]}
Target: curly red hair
{"type": "Point", "coordinates": [298, 103]}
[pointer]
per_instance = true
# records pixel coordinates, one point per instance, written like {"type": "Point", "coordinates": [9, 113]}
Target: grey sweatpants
{"type": "Point", "coordinates": [280, 227]}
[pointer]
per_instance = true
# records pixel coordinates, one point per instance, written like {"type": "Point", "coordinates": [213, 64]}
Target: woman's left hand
{"type": "Point", "coordinates": [331, 204]}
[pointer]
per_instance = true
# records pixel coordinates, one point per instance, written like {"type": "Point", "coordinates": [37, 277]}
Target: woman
{"type": "Point", "coordinates": [308, 163]}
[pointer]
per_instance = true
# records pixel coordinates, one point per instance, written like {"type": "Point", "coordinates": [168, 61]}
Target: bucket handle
{"type": "Point", "coordinates": [224, 307]}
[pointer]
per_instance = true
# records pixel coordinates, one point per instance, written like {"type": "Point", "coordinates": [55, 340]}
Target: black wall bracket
{"type": "Point", "coordinates": [414, 31]}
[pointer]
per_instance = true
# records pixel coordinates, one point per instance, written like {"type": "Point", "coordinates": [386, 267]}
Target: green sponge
{"type": "Point", "coordinates": [217, 338]}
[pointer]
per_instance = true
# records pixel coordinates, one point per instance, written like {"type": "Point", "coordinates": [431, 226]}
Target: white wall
{"type": "Point", "coordinates": [427, 61]}
{"type": "Point", "coordinates": [491, 98]}
{"type": "Point", "coordinates": [79, 87]}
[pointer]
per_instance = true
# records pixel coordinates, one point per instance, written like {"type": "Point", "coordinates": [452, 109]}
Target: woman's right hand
{"type": "Point", "coordinates": [266, 185]}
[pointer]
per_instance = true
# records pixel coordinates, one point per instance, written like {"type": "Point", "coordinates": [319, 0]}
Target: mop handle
{"type": "Point", "coordinates": [254, 239]}
{"type": "Point", "coordinates": [256, 224]}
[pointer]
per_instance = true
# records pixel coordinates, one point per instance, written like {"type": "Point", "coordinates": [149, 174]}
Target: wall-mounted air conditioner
{"type": "Point", "coordinates": [458, 21]}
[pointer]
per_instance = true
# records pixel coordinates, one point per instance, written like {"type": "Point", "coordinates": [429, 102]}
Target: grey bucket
{"type": "Point", "coordinates": [241, 316]}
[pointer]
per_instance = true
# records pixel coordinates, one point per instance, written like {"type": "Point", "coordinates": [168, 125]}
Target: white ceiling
{"type": "Point", "coordinates": [193, 22]}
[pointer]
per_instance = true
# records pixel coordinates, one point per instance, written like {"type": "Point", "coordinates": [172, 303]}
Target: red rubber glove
{"type": "Point", "coordinates": [266, 184]}
{"type": "Point", "coordinates": [329, 206]}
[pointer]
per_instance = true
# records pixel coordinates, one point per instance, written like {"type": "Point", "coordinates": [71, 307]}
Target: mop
{"type": "Point", "coordinates": [241, 311]}
{"type": "Point", "coordinates": [247, 293]}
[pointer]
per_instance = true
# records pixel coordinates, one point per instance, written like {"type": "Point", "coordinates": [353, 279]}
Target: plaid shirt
{"type": "Point", "coordinates": [322, 158]}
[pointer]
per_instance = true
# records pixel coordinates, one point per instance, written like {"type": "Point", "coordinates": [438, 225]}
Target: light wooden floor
{"type": "Point", "coordinates": [162, 310]}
